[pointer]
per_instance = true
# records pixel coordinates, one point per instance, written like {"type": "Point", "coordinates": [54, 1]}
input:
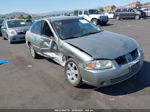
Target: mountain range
{"type": "Point", "coordinates": [17, 14]}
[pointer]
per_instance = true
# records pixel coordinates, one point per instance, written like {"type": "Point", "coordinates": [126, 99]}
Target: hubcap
{"type": "Point", "coordinates": [72, 72]}
{"type": "Point", "coordinates": [94, 22]}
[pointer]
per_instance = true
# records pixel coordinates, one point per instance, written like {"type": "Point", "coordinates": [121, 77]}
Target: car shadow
{"type": "Point", "coordinates": [21, 42]}
{"type": "Point", "coordinates": [108, 24]}
{"type": "Point", "coordinates": [132, 85]}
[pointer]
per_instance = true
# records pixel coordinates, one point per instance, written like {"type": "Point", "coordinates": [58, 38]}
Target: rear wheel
{"type": "Point", "coordinates": [72, 73]}
{"type": "Point", "coordinates": [33, 52]}
{"type": "Point", "coordinates": [137, 17]}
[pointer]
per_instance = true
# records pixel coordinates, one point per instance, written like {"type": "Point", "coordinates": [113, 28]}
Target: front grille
{"type": "Point", "coordinates": [21, 32]}
{"type": "Point", "coordinates": [133, 69]}
{"type": "Point", "coordinates": [123, 59]}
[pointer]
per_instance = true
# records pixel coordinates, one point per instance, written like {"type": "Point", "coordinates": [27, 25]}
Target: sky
{"type": "Point", "coordinates": [44, 6]}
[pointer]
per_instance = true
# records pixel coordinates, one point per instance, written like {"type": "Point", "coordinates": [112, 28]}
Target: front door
{"type": "Point", "coordinates": [47, 40]}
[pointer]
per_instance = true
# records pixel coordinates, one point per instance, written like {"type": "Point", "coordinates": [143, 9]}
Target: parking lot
{"type": "Point", "coordinates": [30, 84]}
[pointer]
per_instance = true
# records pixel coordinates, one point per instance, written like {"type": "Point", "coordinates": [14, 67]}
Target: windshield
{"type": "Point", "coordinates": [94, 12]}
{"type": "Point", "coordinates": [74, 28]}
{"type": "Point", "coordinates": [1, 21]}
{"type": "Point", "coordinates": [16, 23]}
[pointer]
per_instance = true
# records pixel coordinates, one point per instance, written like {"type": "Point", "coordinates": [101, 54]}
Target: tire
{"type": "Point", "coordinates": [72, 73]}
{"type": "Point", "coordinates": [118, 17]}
{"type": "Point", "coordinates": [10, 42]}
{"type": "Point", "coordinates": [3, 37]}
{"type": "Point", "coordinates": [33, 52]}
{"type": "Point", "coordinates": [95, 21]}
{"type": "Point", "coordinates": [137, 17]}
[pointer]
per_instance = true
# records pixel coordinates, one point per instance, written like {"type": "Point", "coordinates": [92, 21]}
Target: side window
{"type": "Point", "coordinates": [46, 29]}
{"type": "Point", "coordinates": [36, 28]}
{"type": "Point", "coordinates": [118, 10]}
{"type": "Point", "coordinates": [76, 13]}
{"type": "Point", "coordinates": [85, 12]}
{"type": "Point", "coordinates": [131, 10]}
{"type": "Point", "coordinates": [124, 10]}
{"type": "Point", "coordinates": [80, 12]}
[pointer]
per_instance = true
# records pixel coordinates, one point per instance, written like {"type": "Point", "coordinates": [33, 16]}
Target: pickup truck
{"type": "Point", "coordinates": [129, 13]}
{"type": "Point", "coordinates": [92, 15]}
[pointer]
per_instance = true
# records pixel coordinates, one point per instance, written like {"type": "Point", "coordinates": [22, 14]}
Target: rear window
{"type": "Point", "coordinates": [1, 21]}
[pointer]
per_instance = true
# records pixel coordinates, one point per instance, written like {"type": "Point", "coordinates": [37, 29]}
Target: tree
{"type": "Point", "coordinates": [101, 9]}
{"type": "Point", "coordinates": [29, 17]}
{"type": "Point", "coordinates": [25, 17]}
{"type": "Point", "coordinates": [21, 17]}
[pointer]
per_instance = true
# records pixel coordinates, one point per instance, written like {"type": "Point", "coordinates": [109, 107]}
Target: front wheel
{"type": "Point", "coordinates": [72, 73]}
{"type": "Point", "coordinates": [95, 21]}
{"type": "Point", "coordinates": [118, 17]}
{"type": "Point", "coordinates": [10, 42]}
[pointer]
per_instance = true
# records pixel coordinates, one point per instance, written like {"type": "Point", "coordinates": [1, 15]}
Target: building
{"type": "Point", "coordinates": [110, 8]}
{"type": "Point", "coordinates": [146, 6]}
{"type": "Point", "coordinates": [131, 5]}
{"type": "Point", "coordinates": [134, 4]}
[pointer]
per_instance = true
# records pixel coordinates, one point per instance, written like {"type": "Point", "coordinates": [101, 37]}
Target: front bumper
{"type": "Point", "coordinates": [17, 38]}
{"type": "Point", "coordinates": [102, 78]}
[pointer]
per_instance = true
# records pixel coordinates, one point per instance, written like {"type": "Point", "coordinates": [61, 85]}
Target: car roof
{"type": "Point", "coordinates": [59, 18]}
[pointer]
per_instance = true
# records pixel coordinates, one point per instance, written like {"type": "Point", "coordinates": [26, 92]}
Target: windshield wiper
{"type": "Point", "coordinates": [71, 37]}
{"type": "Point", "coordinates": [90, 33]}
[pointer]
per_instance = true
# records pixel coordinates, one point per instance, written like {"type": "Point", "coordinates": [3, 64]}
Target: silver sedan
{"type": "Point", "coordinates": [14, 30]}
{"type": "Point", "coordinates": [89, 54]}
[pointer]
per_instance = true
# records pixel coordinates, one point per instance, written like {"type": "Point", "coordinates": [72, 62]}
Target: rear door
{"type": "Point", "coordinates": [131, 13]}
{"type": "Point", "coordinates": [35, 36]}
{"type": "Point", "coordinates": [125, 13]}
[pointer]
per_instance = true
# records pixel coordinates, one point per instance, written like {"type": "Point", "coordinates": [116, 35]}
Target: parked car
{"type": "Point", "coordinates": [14, 30]}
{"type": "Point", "coordinates": [147, 11]}
{"type": "Point", "coordinates": [110, 14]}
{"type": "Point", "coordinates": [87, 53]}
{"type": "Point", "coordinates": [1, 21]}
{"type": "Point", "coordinates": [29, 21]}
{"type": "Point", "coordinates": [93, 15]}
{"type": "Point", "coordinates": [129, 13]}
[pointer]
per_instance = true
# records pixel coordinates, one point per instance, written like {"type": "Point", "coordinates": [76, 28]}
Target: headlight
{"type": "Point", "coordinates": [98, 64]}
{"type": "Point", "coordinates": [12, 32]}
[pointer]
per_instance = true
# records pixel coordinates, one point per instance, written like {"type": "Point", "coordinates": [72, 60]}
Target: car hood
{"type": "Point", "coordinates": [104, 45]}
{"type": "Point", "coordinates": [21, 29]}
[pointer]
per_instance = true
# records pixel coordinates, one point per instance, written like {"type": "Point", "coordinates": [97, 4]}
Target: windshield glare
{"type": "Point", "coordinates": [75, 28]}
{"type": "Point", "coordinates": [16, 23]}
{"type": "Point", "coordinates": [94, 12]}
